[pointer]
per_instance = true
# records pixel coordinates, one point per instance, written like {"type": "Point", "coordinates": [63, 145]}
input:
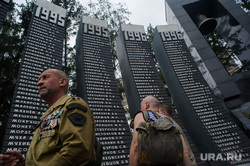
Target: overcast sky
{"type": "Point", "coordinates": [143, 12]}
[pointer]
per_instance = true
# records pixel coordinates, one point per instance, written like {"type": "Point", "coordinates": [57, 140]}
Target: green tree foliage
{"type": "Point", "coordinates": [150, 36]}
{"type": "Point", "coordinates": [25, 13]}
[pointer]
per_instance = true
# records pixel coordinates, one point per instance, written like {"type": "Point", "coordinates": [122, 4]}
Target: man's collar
{"type": "Point", "coordinates": [61, 101]}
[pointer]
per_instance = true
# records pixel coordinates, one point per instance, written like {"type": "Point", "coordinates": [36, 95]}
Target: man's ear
{"type": "Point", "coordinates": [62, 81]}
{"type": "Point", "coordinates": [146, 105]}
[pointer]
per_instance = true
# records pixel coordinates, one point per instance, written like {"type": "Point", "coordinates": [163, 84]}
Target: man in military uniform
{"type": "Point", "coordinates": [65, 134]}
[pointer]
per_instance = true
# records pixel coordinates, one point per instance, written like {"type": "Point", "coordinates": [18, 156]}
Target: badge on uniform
{"type": "Point", "coordinates": [47, 133]}
{"type": "Point", "coordinates": [77, 119]}
{"type": "Point", "coordinates": [49, 123]}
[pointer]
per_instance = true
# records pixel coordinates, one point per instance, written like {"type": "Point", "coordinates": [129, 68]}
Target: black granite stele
{"type": "Point", "coordinates": [43, 50]}
{"type": "Point", "coordinates": [139, 73]}
{"type": "Point", "coordinates": [97, 85]}
{"type": "Point", "coordinates": [4, 7]}
{"type": "Point", "coordinates": [211, 126]}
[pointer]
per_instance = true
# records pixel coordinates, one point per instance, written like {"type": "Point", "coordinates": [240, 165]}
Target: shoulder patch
{"type": "Point", "coordinates": [76, 106]}
{"type": "Point", "coordinates": [77, 119]}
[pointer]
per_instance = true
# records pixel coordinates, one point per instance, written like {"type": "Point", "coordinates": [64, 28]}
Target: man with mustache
{"type": "Point", "coordinates": [65, 134]}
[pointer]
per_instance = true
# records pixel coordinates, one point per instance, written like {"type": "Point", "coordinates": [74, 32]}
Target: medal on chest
{"type": "Point", "coordinates": [49, 124]}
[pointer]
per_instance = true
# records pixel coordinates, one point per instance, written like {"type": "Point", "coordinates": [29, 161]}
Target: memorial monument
{"type": "Point", "coordinates": [43, 50]}
{"type": "Point", "coordinates": [96, 84]}
{"type": "Point", "coordinates": [139, 73]}
{"type": "Point", "coordinates": [233, 25]}
{"type": "Point", "coordinates": [212, 128]}
{"type": "Point", "coordinates": [4, 7]}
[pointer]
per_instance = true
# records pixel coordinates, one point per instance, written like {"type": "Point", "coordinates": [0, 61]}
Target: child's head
{"type": "Point", "coordinates": [165, 110]}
